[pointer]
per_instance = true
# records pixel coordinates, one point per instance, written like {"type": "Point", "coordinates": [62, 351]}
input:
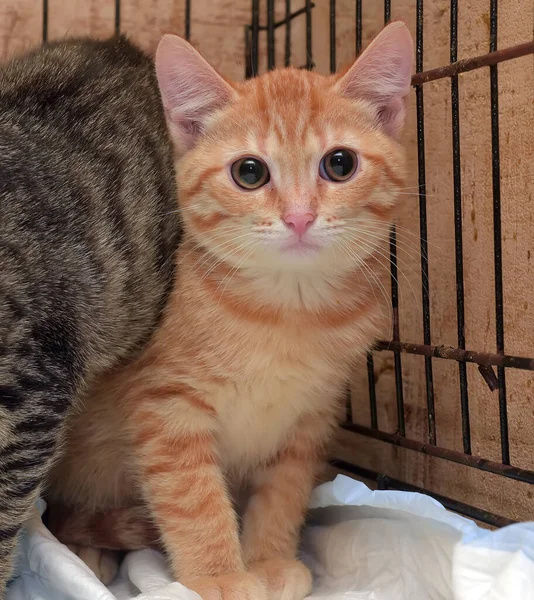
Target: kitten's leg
{"type": "Point", "coordinates": [277, 508]}
{"type": "Point", "coordinates": [38, 382]}
{"type": "Point", "coordinates": [104, 563]}
{"type": "Point", "coordinates": [187, 493]}
{"type": "Point", "coordinates": [124, 528]}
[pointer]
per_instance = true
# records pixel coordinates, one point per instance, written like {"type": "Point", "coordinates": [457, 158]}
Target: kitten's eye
{"type": "Point", "coordinates": [250, 173]}
{"type": "Point", "coordinates": [338, 165]}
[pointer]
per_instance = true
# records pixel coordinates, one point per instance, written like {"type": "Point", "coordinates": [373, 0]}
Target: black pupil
{"type": "Point", "coordinates": [341, 163]}
{"type": "Point", "coordinates": [250, 171]}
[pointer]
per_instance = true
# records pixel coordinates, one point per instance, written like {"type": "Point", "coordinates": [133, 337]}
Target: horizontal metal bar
{"type": "Point", "coordinates": [468, 64]}
{"type": "Point", "coordinates": [386, 482]}
{"type": "Point", "coordinates": [438, 452]}
{"type": "Point", "coordinates": [479, 358]}
{"type": "Point", "coordinates": [287, 19]}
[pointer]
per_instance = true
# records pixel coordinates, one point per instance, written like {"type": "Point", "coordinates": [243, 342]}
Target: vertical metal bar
{"type": "Point", "coordinates": [45, 21]}
{"type": "Point", "coordinates": [187, 20]}
{"type": "Point", "coordinates": [370, 358]}
{"type": "Point", "coordinates": [348, 395]}
{"type": "Point", "coordinates": [248, 57]}
{"type": "Point", "coordinates": [401, 426]}
{"type": "Point", "coordinates": [423, 230]}
{"type": "Point", "coordinates": [382, 482]}
{"type": "Point", "coordinates": [332, 36]}
{"type": "Point", "coordinates": [396, 331]}
{"type": "Point", "coordinates": [287, 58]}
{"type": "Point", "coordinates": [309, 54]}
{"type": "Point", "coordinates": [358, 26]}
{"type": "Point", "coordinates": [254, 42]}
{"type": "Point", "coordinates": [497, 239]}
{"type": "Point", "coordinates": [387, 11]}
{"type": "Point", "coordinates": [372, 390]}
{"type": "Point", "coordinates": [271, 57]}
{"type": "Point", "coordinates": [117, 17]}
{"type": "Point", "coordinates": [464, 398]}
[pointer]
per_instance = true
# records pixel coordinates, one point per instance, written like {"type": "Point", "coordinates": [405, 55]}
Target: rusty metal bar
{"type": "Point", "coordinates": [309, 56]}
{"type": "Point", "coordinates": [287, 53]}
{"type": "Point", "coordinates": [187, 20]}
{"type": "Point", "coordinates": [45, 21]}
{"type": "Point", "coordinates": [423, 228]}
{"type": "Point", "coordinates": [358, 26]}
{"type": "Point", "coordinates": [385, 482]}
{"type": "Point", "coordinates": [497, 235]}
{"type": "Point", "coordinates": [271, 54]}
{"type": "Point", "coordinates": [438, 452]}
{"type": "Point", "coordinates": [468, 64]}
{"type": "Point", "coordinates": [458, 230]}
{"type": "Point", "coordinates": [479, 358]}
{"type": "Point", "coordinates": [289, 17]}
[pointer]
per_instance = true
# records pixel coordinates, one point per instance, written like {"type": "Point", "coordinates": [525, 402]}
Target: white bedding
{"type": "Point", "coordinates": [363, 544]}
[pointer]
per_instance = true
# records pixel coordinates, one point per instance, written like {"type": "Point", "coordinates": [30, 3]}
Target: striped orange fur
{"type": "Point", "coordinates": [276, 297]}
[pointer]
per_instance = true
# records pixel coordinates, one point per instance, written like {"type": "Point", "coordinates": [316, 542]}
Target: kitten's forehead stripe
{"type": "Point", "coordinates": [286, 101]}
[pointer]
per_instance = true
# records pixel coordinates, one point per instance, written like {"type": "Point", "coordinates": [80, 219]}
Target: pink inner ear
{"type": "Point", "coordinates": [382, 75]}
{"type": "Point", "coordinates": [191, 89]}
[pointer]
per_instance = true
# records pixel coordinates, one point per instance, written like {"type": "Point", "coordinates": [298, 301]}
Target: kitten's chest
{"type": "Point", "coordinates": [256, 418]}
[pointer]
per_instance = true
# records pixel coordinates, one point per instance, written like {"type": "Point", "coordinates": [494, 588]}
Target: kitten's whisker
{"type": "Point", "coordinates": [375, 252]}
{"type": "Point", "coordinates": [361, 263]}
{"type": "Point", "coordinates": [403, 246]}
{"type": "Point", "coordinates": [399, 228]}
{"type": "Point", "coordinates": [228, 255]}
{"type": "Point", "coordinates": [229, 276]}
{"type": "Point", "coordinates": [387, 298]}
{"type": "Point", "coordinates": [407, 245]}
{"type": "Point", "coordinates": [225, 257]}
{"type": "Point", "coordinates": [202, 243]}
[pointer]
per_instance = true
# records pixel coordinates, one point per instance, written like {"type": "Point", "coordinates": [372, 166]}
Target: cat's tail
{"type": "Point", "coordinates": [129, 528]}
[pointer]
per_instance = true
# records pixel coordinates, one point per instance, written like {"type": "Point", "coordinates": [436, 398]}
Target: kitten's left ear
{"type": "Point", "coordinates": [382, 75]}
{"type": "Point", "coordinates": [190, 88]}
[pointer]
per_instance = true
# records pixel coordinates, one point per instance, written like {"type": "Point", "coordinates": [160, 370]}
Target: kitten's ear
{"type": "Point", "coordinates": [190, 88]}
{"type": "Point", "coordinates": [382, 74]}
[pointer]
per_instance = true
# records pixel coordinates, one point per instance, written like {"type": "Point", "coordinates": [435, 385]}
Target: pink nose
{"type": "Point", "coordinates": [299, 222]}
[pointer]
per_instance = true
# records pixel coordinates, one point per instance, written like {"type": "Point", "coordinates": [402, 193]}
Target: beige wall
{"type": "Point", "coordinates": [218, 31]}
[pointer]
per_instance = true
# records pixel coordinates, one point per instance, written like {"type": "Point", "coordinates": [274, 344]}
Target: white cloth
{"type": "Point", "coordinates": [361, 545]}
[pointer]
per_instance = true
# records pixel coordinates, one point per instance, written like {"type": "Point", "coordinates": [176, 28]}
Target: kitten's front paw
{"type": "Point", "coordinates": [234, 586]}
{"type": "Point", "coordinates": [103, 563]}
{"type": "Point", "coordinates": [284, 579]}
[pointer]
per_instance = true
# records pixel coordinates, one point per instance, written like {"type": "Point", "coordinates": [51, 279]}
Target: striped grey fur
{"type": "Point", "coordinates": [88, 230]}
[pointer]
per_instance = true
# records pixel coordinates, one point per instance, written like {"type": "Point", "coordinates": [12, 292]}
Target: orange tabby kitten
{"type": "Point", "coordinates": [287, 189]}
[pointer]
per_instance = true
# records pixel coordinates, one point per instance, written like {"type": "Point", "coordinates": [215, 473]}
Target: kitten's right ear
{"type": "Point", "coordinates": [382, 75]}
{"type": "Point", "coordinates": [190, 88]}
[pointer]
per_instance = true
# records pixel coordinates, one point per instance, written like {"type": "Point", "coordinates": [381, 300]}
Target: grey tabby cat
{"type": "Point", "coordinates": [88, 231]}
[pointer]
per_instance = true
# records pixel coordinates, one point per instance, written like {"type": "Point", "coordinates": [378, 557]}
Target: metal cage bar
{"type": "Point", "coordinates": [497, 239]}
{"type": "Point", "coordinates": [423, 230]}
{"type": "Point", "coordinates": [384, 482]}
{"type": "Point", "coordinates": [271, 50]}
{"type": "Point", "coordinates": [187, 19]}
{"type": "Point", "coordinates": [117, 17]}
{"type": "Point", "coordinates": [397, 361]}
{"type": "Point", "coordinates": [287, 55]}
{"type": "Point", "coordinates": [332, 36]}
{"type": "Point", "coordinates": [45, 21]}
{"type": "Point", "coordinates": [358, 36]}
{"type": "Point", "coordinates": [309, 51]}
{"type": "Point", "coordinates": [458, 230]}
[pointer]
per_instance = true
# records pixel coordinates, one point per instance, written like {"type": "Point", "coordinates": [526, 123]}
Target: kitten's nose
{"type": "Point", "coordinates": [299, 222]}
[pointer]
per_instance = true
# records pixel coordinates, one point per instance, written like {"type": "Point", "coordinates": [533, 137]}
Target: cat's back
{"type": "Point", "coordinates": [87, 190]}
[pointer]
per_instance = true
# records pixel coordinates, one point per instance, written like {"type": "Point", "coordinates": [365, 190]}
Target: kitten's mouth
{"type": "Point", "coordinates": [300, 246]}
